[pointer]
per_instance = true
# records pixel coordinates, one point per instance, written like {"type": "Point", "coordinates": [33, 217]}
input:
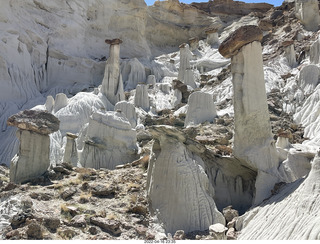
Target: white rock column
{"type": "Point", "coordinates": [141, 98]}
{"type": "Point", "coordinates": [307, 11]}
{"type": "Point", "coordinates": [185, 72]}
{"type": "Point", "coordinates": [253, 139]}
{"type": "Point", "coordinates": [315, 52]}
{"type": "Point", "coordinates": [290, 53]}
{"type": "Point", "coordinates": [71, 152]}
{"type": "Point", "coordinates": [112, 84]}
{"type": "Point", "coordinates": [201, 108]}
{"type": "Point", "coordinates": [194, 43]}
{"type": "Point", "coordinates": [49, 104]}
{"type": "Point", "coordinates": [178, 187]}
{"type": "Point", "coordinates": [151, 80]}
{"type": "Point", "coordinates": [60, 102]}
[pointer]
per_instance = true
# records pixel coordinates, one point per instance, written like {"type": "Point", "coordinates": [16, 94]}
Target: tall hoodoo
{"type": "Point", "coordinates": [112, 84]}
{"type": "Point", "coordinates": [308, 13]}
{"type": "Point", "coordinates": [253, 140]}
{"type": "Point", "coordinates": [71, 152]}
{"type": "Point", "coordinates": [290, 53]}
{"type": "Point", "coordinates": [185, 72]}
{"type": "Point", "coordinates": [33, 132]}
{"type": "Point", "coordinates": [141, 98]}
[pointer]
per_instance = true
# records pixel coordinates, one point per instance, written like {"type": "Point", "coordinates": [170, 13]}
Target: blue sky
{"type": "Point", "coordinates": [274, 2]}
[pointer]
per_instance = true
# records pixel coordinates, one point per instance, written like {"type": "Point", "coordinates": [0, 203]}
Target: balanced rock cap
{"type": "Point", "coordinates": [183, 45]}
{"type": "Point", "coordinates": [41, 122]}
{"type": "Point", "coordinates": [239, 38]}
{"type": "Point", "coordinates": [211, 30]}
{"type": "Point", "coordinates": [113, 41]}
{"type": "Point", "coordinates": [193, 40]}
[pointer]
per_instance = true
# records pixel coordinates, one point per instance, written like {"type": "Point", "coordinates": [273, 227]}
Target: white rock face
{"type": "Point", "coordinates": [141, 98]}
{"type": "Point", "coordinates": [129, 111]}
{"type": "Point", "coordinates": [178, 187]}
{"type": "Point", "coordinates": [185, 72]}
{"type": "Point", "coordinates": [49, 105]}
{"type": "Point", "coordinates": [112, 84]}
{"type": "Point", "coordinates": [292, 214]}
{"type": "Point", "coordinates": [151, 80]}
{"type": "Point", "coordinates": [201, 108]}
{"type": "Point", "coordinates": [33, 160]}
{"type": "Point", "coordinates": [110, 141]}
{"type": "Point", "coordinates": [253, 140]}
{"type": "Point", "coordinates": [308, 13]}
{"type": "Point", "coordinates": [309, 78]}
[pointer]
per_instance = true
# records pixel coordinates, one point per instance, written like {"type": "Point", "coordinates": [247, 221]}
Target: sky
{"type": "Point", "coordinates": [273, 2]}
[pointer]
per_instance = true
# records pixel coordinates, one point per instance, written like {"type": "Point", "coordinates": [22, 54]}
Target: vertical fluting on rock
{"type": "Point", "coordinates": [71, 152]}
{"type": "Point", "coordinates": [178, 187]}
{"type": "Point", "coordinates": [253, 140]}
{"type": "Point", "coordinates": [307, 11]}
{"type": "Point", "coordinates": [112, 84]}
{"type": "Point", "coordinates": [185, 71]}
{"type": "Point", "coordinates": [212, 36]}
{"type": "Point", "coordinates": [201, 108]}
{"type": "Point", "coordinates": [141, 98]}
{"type": "Point", "coordinates": [33, 132]}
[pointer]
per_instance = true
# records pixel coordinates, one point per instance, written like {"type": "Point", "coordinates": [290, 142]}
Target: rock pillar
{"type": "Point", "coordinates": [212, 36]}
{"type": "Point", "coordinates": [185, 72]}
{"type": "Point", "coordinates": [194, 43]}
{"type": "Point", "coordinates": [141, 98]}
{"type": "Point", "coordinates": [112, 85]}
{"type": "Point", "coordinates": [253, 139]}
{"type": "Point", "coordinates": [33, 132]}
{"type": "Point", "coordinates": [290, 53]}
{"type": "Point", "coordinates": [71, 152]}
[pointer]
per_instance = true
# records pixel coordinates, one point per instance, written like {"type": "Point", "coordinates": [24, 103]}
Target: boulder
{"type": "Point", "coordinates": [218, 231]}
{"type": "Point", "coordinates": [239, 38]}
{"type": "Point", "coordinates": [41, 122]}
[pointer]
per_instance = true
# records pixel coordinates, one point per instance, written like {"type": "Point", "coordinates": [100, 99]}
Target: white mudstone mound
{"type": "Point", "coordinates": [141, 98]}
{"type": "Point", "coordinates": [307, 11]}
{"type": "Point", "coordinates": [292, 214]}
{"type": "Point", "coordinates": [177, 185]}
{"type": "Point", "coordinates": [60, 102]}
{"type": "Point", "coordinates": [201, 108]}
{"type": "Point", "coordinates": [128, 110]}
{"type": "Point", "coordinates": [49, 105]}
{"type": "Point", "coordinates": [185, 72]}
{"type": "Point", "coordinates": [309, 78]}
{"type": "Point", "coordinates": [112, 84]}
{"type": "Point", "coordinates": [71, 152]}
{"type": "Point", "coordinates": [110, 141]}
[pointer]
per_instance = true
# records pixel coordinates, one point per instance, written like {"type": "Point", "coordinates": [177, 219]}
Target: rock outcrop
{"type": "Point", "coordinates": [128, 110]}
{"type": "Point", "coordinates": [212, 36]}
{"type": "Point", "coordinates": [315, 52]}
{"type": "Point", "coordinates": [110, 141]}
{"type": "Point", "coordinates": [112, 84]}
{"type": "Point", "coordinates": [70, 151]}
{"type": "Point", "coordinates": [185, 72]}
{"type": "Point", "coordinates": [33, 132]}
{"type": "Point", "coordinates": [177, 186]}
{"type": "Point", "coordinates": [307, 11]}
{"type": "Point", "coordinates": [290, 53]}
{"type": "Point", "coordinates": [253, 140]}
{"type": "Point", "coordinates": [201, 108]}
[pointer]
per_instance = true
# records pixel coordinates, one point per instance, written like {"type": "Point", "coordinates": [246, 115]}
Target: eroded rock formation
{"type": "Point", "coordinates": [128, 110]}
{"type": "Point", "coordinates": [141, 98]}
{"type": "Point", "coordinates": [307, 11]}
{"type": "Point", "coordinates": [110, 141]}
{"type": "Point", "coordinates": [212, 36]}
{"type": "Point", "coordinates": [71, 152]}
{"type": "Point", "coordinates": [201, 108]}
{"type": "Point", "coordinates": [253, 139]}
{"type": "Point", "coordinates": [185, 72]}
{"type": "Point", "coordinates": [112, 84]}
{"type": "Point", "coordinates": [33, 132]}
{"type": "Point", "coordinates": [177, 185]}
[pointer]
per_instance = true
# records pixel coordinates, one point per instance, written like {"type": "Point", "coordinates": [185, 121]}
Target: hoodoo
{"type": "Point", "coordinates": [185, 72]}
{"type": "Point", "coordinates": [308, 13]}
{"type": "Point", "coordinates": [112, 85]}
{"type": "Point", "coordinates": [253, 140]}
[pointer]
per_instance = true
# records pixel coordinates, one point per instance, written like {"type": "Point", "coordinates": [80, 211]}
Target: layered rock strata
{"type": "Point", "coordinates": [112, 84]}
{"type": "Point", "coordinates": [177, 186]}
{"type": "Point", "coordinates": [253, 140]}
{"type": "Point", "coordinates": [33, 132]}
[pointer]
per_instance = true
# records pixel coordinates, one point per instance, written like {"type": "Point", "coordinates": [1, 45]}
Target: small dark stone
{"type": "Point", "coordinates": [67, 194]}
